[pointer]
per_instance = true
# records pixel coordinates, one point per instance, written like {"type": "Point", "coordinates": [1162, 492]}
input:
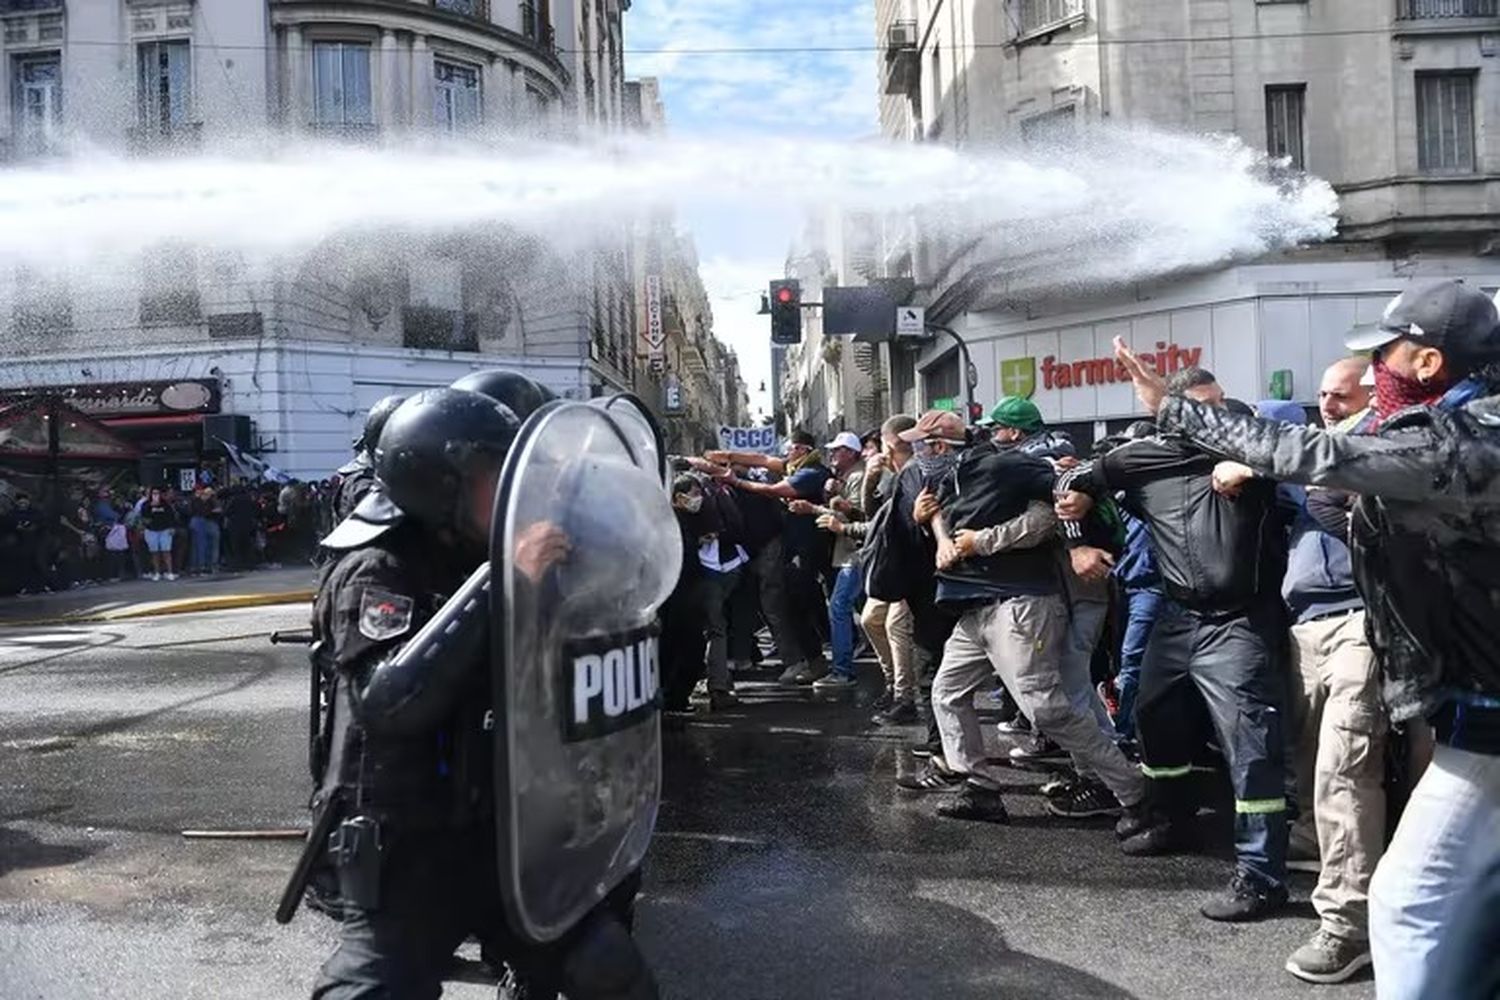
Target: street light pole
{"type": "Point", "coordinates": [963, 353]}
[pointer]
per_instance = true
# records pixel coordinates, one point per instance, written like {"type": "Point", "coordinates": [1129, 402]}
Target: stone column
{"type": "Point", "coordinates": [387, 114]}
{"type": "Point", "coordinates": [421, 83]}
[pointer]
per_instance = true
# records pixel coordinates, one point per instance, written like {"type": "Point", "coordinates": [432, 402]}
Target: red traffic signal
{"type": "Point", "coordinates": [786, 311]}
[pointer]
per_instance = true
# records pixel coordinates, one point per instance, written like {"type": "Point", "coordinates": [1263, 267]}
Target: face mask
{"type": "Point", "coordinates": [1395, 392]}
{"type": "Point", "coordinates": [934, 465]}
{"type": "Point", "coordinates": [692, 503]}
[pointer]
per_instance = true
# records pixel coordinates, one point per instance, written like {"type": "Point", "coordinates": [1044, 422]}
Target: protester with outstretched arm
{"type": "Point", "coordinates": [1426, 542]}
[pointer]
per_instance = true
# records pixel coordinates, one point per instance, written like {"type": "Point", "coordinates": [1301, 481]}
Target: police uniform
{"type": "Point", "coordinates": [403, 754]}
{"type": "Point", "coordinates": [355, 480]}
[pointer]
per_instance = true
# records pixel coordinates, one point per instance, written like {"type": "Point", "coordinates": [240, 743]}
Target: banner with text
{"type": "Point", "coordinates": [761, 439]}
{"type": "Point", "coordinates": [656, 334]}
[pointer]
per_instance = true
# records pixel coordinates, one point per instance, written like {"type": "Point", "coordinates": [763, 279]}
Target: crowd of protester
{"type": "Point", "coordinates": [1147, 620]}
{"type": "Point", "coordinates": [112, 534]}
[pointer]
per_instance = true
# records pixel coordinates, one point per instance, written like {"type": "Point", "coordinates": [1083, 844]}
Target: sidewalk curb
{"type": "Point", "coordinates": [158, 609]}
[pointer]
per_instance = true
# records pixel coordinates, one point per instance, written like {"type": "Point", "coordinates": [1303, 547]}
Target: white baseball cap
{"type": "Point", "coordinates": [846, 439]}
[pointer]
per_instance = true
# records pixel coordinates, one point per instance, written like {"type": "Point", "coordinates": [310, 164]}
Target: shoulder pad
{"type": "Point", "coordinates": [374, 516]}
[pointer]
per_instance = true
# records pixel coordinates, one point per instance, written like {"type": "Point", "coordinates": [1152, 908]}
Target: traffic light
{"type": "Point", "coordinates": [786, 312]}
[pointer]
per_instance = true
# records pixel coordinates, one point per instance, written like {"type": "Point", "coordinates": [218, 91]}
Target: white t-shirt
{"type": "Point", "coordinates": [708, 556]}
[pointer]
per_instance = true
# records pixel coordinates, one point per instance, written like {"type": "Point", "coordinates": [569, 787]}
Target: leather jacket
{"type": "Point", "coordinates": [1425, 534]}
{"type": "Point", "coordinates": [1215, 554]}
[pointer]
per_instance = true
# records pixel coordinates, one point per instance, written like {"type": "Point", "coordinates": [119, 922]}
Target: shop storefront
{"type": "Point", "coordinates": [163, 422]}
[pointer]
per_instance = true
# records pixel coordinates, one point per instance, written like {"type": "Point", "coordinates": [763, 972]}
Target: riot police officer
{"type": "Point", "coordinates": [357, 477]}
{"type": "Point", "coordinates": [407, 792]}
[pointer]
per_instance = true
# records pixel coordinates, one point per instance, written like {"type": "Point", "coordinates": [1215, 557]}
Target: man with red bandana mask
{"type": "Point", "coordinates": [1425, 536]}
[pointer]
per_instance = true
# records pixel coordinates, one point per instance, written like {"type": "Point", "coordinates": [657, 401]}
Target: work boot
{"type": "Point", "coordinates": [1328, 958]}
{"type": "Point", "coordinates": [1248, 899]}
{"type": "Point", "coordinates": [977, 804]}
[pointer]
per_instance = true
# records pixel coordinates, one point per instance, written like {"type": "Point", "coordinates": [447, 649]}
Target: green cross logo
{"type": "Point", "coordinates": [1018, 377]}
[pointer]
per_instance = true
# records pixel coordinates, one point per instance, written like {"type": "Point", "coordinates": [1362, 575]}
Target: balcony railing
{"type": "Point", "coordinates": [535, 27]}
{"type": "Point", "coordinates": [479, 10]}
{"type": "Point", "coordinates": [1039, 15]}
{"type": "Point", "coordinates": [1418, 10]}
{"type": "Point", "coordinates": [29, 6]}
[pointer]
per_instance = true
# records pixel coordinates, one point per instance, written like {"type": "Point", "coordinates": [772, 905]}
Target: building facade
{"type": "Point", "coordinates": [1395, 102]}
{"type": "Point", "coordinates": [301, 347]}
{"type": "Point", "coordinates": [683, 372]}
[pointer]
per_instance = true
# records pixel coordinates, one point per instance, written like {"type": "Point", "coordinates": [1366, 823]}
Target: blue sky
{"type": "Point", "coordinates": [824, 95]}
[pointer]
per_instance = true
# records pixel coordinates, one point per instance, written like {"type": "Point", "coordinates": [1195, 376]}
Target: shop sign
{"type": "Point", "coordinates": [1056, 374]}
{"type": "Point", "coordinates": [121, 399]}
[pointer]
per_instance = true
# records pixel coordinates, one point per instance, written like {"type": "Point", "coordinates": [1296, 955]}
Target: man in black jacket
{"type": "Point", "coordinates": [1011, 617]}
{"type": "Point", "coordinates": [1424, 540]}
{"type": "Point", "coordinates": [1219, 645]}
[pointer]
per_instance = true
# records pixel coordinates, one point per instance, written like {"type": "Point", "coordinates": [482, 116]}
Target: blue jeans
{"type": "Point", "coordinates": [1448, 835]}
{"type": "Point", "coordinates": [1141, 610]}
{"type": "Point", "coordinates": [205, 555]}
{"type": "Point", "coordinates": [843, 605]}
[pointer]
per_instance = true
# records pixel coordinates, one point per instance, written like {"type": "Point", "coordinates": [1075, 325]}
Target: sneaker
{"type": "Point", "coordinates": [926, 750]}
{"type": "Point", "coordinates": [171, 576]}
{"type": "Point", "coordinates": [791, 673]}
{"type": "Point", "coordinates": [1037, 749]}
{"type": "Point", "coordinates": [930, 778]}
{"type": "Point", "coordinates": [1247, 899]}
{"type": "Point", "coordinates": [1061, 786]}
{"type": "Point", "coordinates": [1133, 820]}
{"type": "Point", "coordinates": [719, 701]}
{"type": "Point", "coordinates": [1161, 837]}
{"type": "Point", "coordinates": [977, 804]}
{"type": "Point", "coordinates": [1019, 726]}
{"type": "Point", "coordinates": [154, 577]}
{"type": "Point", "coordinates": [1328, 958]}
{"type": "Point", "coordinates": [804, 675]}
{"type": "Point", "coordinates": [902, 713]}
{"type": "Point", "coordinates": [1089, 799]}
{"type": "Point", "coordinates": [835, 682]}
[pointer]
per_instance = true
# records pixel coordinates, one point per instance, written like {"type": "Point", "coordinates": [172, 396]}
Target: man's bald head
{"type": "Point", "coordinates": [1340, 395]}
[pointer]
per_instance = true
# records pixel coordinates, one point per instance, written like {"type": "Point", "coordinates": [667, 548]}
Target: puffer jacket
{"type": "Point", "coordinates": [1425, 539]}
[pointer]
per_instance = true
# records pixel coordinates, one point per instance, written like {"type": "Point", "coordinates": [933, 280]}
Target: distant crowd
{"type": "Point", "coordinates": [153, 534]}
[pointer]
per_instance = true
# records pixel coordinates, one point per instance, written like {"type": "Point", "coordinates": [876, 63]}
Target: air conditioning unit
{"type": "Point", "coordinates": [901, 35]}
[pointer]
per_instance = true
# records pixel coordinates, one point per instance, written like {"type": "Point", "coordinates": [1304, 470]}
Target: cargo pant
{"type": "Point", "coordinates": [1022, 639]}
{"type": "Point", "coordinates": [1224, 666]}
{"type": "Point", "coordinates": [890, 629]}
{"type": "Point", "coordinates": [1341, 735]}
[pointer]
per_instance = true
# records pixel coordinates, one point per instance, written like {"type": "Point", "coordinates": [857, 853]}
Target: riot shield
{"type": "Point", "coordinates": [640, 426]}
{"type": "Point", "coordinates": [584, 550]}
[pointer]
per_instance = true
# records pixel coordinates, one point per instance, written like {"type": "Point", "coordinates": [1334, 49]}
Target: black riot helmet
{"type": "Point", "coordinates": [439, 459]}
{"type": "Point", "coordinates": [523, 395]}
{"type": "Point", "coordinates": [375, 421]}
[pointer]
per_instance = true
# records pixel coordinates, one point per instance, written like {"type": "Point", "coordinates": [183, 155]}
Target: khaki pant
{"type": "Point", "coordinates": [889, 627]}
{"type": "Point", "coordinates": [1341, 729]}
{"type": "Point", "coordinates": [1022, 639]}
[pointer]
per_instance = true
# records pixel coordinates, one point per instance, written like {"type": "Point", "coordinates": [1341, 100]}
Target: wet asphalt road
{"type": "Point", "coordinates": [786, 866]}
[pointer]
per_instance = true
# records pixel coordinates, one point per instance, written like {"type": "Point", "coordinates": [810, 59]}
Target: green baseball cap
{"type": "Point", "coordinates": [1017, 412]}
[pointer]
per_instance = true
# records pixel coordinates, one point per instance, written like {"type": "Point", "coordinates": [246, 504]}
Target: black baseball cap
{"type": "Point", "coordinates": [1448, 315]}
